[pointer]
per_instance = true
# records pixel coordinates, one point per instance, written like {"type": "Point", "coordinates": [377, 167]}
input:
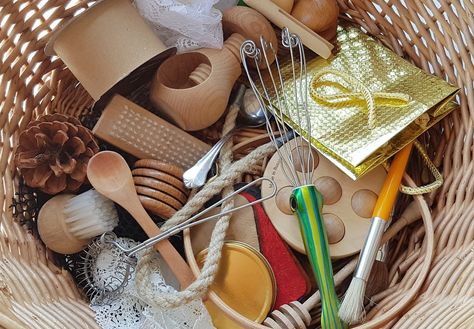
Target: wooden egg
{"type": "Point", "coordinates": [363, 203]}
{"type": "Point", "coordinates": [347, 204]}
{"type": "Point", "coordinates": [329, 188]}
{"type": "Point", "coordinates": [286, 5]}
{"type": "Point", "coordinates": [318, 15]}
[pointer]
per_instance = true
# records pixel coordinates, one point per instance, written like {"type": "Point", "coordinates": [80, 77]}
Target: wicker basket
{"type": "Point", "coordinates": [436, 35]}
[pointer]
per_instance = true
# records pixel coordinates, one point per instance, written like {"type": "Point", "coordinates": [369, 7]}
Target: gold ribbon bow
{"type": "Point", "coordinates": [354, 93]}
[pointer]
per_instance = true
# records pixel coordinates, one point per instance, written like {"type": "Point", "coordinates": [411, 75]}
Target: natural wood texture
{"type": "Point", "coordinates": [318, 15]}
{"type": "Point", "coordinates": [433, 35]}
{"type": "Point", "coordinates": [194, 107]}
{"type": "Point", "coordinates": [286, 5]}
{"type": "Point", "coordinates": [52, 227]}
{"type": "Point", "coordinates": [250, 24]}
{"type": "Point", "coordinates": [139, 132]}
{"type": "Point", "coordinates": [345, 227]}
{"type": "Point", "coordinates": [110, 175]}
{"type": "Point", "coordinates": [282, 19]}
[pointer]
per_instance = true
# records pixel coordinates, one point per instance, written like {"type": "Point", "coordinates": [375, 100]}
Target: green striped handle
{"type": "Point", "coordinates": [307, 203]}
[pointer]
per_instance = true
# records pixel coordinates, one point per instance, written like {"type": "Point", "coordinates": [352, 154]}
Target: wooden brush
{"type": "Point", "coordinates": [352, 308]}
{"type": "Point", "coordinates": [67, 223]}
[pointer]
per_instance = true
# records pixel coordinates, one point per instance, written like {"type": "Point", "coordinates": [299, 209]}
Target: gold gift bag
{"type": "Point", "coordinates": [366, 102]}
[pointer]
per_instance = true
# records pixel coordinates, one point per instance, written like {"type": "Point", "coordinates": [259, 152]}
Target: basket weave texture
{"type": "Point", "coordinates": [437, 36]}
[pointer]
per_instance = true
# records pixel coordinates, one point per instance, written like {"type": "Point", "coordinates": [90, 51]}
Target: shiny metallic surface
{"type": "Point", "coordinates": [370, 249]}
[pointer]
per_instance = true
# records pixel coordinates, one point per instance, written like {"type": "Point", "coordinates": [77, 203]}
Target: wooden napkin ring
{"type": "Point", "coordinates": [161, 176]}
{"type": "Point", "coordinates": [160, 166]}
{"type": "Point", "coordinates": [157, 207]}
{"type": "Point", "coordinates": [160, 196]}
{"type": "Point", "coordinates": [161, 186]}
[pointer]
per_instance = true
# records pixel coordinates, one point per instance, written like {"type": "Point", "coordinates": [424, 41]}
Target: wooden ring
{"type": "Point", "coordinates": [160, 196]}
{"type": "Point", "coordinates": [157, 207]}
{"type": "Point", "coordinates": [161, 186]}
{"type": "Point", "coordinates": [160, 166]}
{"type": "Point", "coordinates": [161, 176]}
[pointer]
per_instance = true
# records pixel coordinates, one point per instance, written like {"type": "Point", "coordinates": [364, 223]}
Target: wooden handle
{"type": "Point", "coordinates": [282, 19]}
{"type": "Point", "coordinates": [307, 202]}
{"type": "Point", "coordinates": [388, 194]}
{"type": "Point", "coordinates": [170, 255]}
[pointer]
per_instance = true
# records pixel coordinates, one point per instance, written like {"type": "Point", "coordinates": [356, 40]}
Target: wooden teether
{"type": "Point", "coordinates": [347, 204]}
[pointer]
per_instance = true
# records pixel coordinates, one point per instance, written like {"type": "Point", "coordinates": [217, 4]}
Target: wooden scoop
{"type": "Point", "coordinates": [110, 175]}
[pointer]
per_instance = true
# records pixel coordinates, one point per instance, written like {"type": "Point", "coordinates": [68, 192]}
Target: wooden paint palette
{"type": "Point", "coordinates": [347, 207]}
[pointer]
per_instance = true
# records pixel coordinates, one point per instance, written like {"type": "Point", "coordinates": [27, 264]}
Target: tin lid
{"type": "Point", "coordinates": [244, 281]}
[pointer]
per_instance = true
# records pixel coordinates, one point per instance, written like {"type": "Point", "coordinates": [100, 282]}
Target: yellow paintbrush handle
{"type": "Point", "coordinates": [389, 191]}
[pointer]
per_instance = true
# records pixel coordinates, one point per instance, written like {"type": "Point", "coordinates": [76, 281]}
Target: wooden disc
{"type": "Point", "coordinates": [160, 196]}
{"type": "Point", "coordinates": [160, 166]}
{"type": "Point", "coordinates": [161, 176]}
{"type": "Point", "coordinates": [161, 186]}
{"type": "Point", "coordinates": [157, 207]}
{"type": "Point", "coordinates": [346, 228]}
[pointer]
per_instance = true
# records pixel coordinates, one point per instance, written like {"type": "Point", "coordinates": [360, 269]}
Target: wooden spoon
{"type": "Point", "coordinates": [110, 175]}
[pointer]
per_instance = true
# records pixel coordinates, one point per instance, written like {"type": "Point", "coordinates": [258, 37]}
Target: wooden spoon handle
{"type": "Point", "coordinates": [170, 255]}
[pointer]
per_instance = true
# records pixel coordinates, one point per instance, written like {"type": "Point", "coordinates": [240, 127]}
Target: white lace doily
{"type": "Point", "coordinates": [130, 312]}
{"type": "Point", "coordinates": [185, 24]}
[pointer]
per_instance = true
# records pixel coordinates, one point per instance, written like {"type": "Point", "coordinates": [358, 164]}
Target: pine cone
{"type": "Point", "coordinates": [53, 153]}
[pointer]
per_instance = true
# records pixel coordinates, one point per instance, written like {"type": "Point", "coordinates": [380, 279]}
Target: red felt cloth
{"type": "Point", "coordinates": [291, 280]}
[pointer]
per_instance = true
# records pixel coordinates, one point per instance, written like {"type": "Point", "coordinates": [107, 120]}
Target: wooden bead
{"type": "Point", "coordinates": [363, 203]}
{"type": "Point", "coordinates": [329, 188]}
{"type": "Point", "coordinates": [318, 15]}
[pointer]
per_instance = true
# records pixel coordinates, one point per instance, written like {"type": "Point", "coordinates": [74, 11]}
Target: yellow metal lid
{"type": "Point", "coordinates": [244, 281]}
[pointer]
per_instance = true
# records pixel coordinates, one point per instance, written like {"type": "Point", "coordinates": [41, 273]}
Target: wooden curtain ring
{"type": "Point", "coordinates": [160, 196]}
{"type": "Point", "coordinates": [157, 207]}
{"type": "Point", "coordinates": [161, 176]}
{"type": "Point", "coordinates": [160, 166]}
{"type": "Point", "coordinates": [161, 186]}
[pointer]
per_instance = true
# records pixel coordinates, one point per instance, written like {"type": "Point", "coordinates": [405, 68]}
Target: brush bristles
{"type": "Point", "coordinates": [352, 308]}
{"type": "Point", "coordinates": [90, 214]}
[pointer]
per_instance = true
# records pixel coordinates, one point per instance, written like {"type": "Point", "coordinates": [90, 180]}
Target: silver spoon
{"type": "Point", "coordinates": [249, 116]}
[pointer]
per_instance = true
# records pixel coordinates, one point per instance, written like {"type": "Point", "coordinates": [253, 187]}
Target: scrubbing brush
{"type": "Point", "coordinates": [67, 223]}
{"type": "Point", "coordinates": [352, 308]}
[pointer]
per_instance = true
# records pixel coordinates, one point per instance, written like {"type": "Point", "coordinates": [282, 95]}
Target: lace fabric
{"type": "Point", "coordinates": [185, 24]}
{"type": "Point", "coordinates": [131, 312]}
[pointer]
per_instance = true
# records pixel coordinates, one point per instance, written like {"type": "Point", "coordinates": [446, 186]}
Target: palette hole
{"type": "Point", "coordinates": [329, 188]}
{"type": "Point", "coordinates": [334, 228]}
{"type": "Point", "coordinates": [300, 156]}
{"type": "Point", "coordinates": [283, 200]}
{"type": "Point", "coordinates": [363, 203]}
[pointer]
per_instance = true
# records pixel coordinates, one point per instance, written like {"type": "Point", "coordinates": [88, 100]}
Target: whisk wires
{"type": "Point", "coordinates": [290, 102]}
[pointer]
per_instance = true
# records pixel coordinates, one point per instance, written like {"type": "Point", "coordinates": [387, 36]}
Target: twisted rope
{"type": "Point", "coordinates": [223, 182]}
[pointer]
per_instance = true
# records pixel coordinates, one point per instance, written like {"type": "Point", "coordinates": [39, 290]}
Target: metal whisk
{"type": "Point", "coordinates": [290, 110]}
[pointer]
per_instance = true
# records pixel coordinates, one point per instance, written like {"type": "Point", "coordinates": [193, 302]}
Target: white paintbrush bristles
{"type": "Point", "coordinates": [352, 308]}
{"type": "Point", "coordinates": [90, 214]}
